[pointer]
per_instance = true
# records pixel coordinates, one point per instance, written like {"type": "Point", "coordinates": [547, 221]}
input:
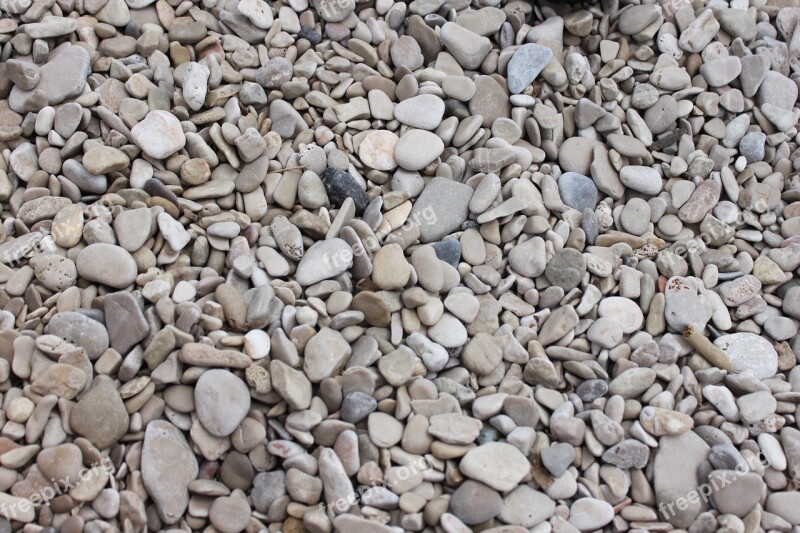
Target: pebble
{"type": "Point", "coordinates": [441, 208]}
{"type": "Point", "coordinates": [498, 465]}
{"type": "Point", "coordinates": [417, 149]}
{"type": "Point", "coordinates": [749, 354]}
{"type": "Point", "coordinates": [168, 466]}
{"type": "Point", "coordinates": [107, 264]}
{"type": "Point", "coordinates": [159, 135]}
{"type": "Point", "coordinates": [526, 64]}
{"type": "Point", "coordinates": [222, 401]}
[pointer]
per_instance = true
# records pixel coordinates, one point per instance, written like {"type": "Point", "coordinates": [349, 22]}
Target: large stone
{"type": "Point", "coordinates": [107, 264]}
{"type": "Point", "coordinates": [525, 65]}
{"type": "Point", "coordinates": [168, 465]}
{"type": "Point", "coordinates": [496, 464]}
{"type": "Point", "coordinates": [441, 208]}
{"type": "Point", "coordinates": [61, 78]}
{"type": "Point", "coordinates": [79, 329]}
{"type": "Point", "coordinates": [159, 135]}
{"type": "Point", "coordinates": [100, 415]}
{"type": "Point", "coordinates": [125, 321]}
{"type": "Point", "coordinates": [222, 401]}
{"type": "Point", "coordinates": [676, 475]}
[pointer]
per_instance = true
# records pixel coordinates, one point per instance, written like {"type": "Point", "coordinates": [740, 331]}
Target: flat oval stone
{"type": "Point", "coordinates": [749, 354]}
{"type": "Point", "coordinates": [222, 401]}
{"type": "Point", "coordinates": [107, 264]}
{"type": "Point", "coordinates": [566, 269]}
{"type": "Point", "coordinates": [79, 329]}
{"type": "Point", "coordinates": [417, 149]}
{"type": "Point", "coordinates": [424, 111]}
{"type": "Point", "coordinates": [377, 150]}
{"type": "Point", "coordinates": [625, 311]}
{"type": "Point", "coordinates": [577, 191]}
{"type": "Point", "coordinates": [168, 465]}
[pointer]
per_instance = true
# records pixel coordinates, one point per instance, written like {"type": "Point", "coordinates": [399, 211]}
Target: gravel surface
{"type": "Point", "coordinates": [376, 267]}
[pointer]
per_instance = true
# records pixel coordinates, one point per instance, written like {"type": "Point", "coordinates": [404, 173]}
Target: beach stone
{"type": "Point", "coordinates": [778, 90]}
{"type": "Point", "coordinates": [722, 71]}
{"type": "Point", "coordinates": [441, 208]}
{"type": "Point", "coordinates": [168, 466]}
{"type": "Point", "coordinates": [103, 159]}
{"type": "Point", "coordinates": [159, 135]}
{"type": "Point", "coordinates": [683, 306]}
{"type": "Point", "coordinates": [642, 179]}
{"type": "Point", "coordinates": [390, 270]}
{"type": "Point", "coordinates": [526, 507]}
{"type": "Point", "coordinates": [490, 101]}
{"type": "Point", "coordinates": [80, 330]}
{"type": "Point", "coordinates": [785, 505]}
{"type": "Point", "coordinates": [589, 514]}
{"type": "Point", "coordinates": [63, 462]}
{"type": "Point", "coordinates": [424, 111]}
{"type": "Point", "coordinates": [467, 47]}
{"type": "Point", "coordinates": [474, 503]}
{"type": "Point", "coordinates": [377, 150]}
{"type": "Point", "coordinates": [737, 494]}
{"type": "Point", "coordinates": [749, 354]}
{"type": "Point", "coordinates": [107, 264]}
{"type": "Point", "coordinates": [100, 415]}
{"type": "Point", "coordinates": [61, 78]}
{"type": "Point", "coordinates": [700, 32]}
{"type": "Point", "coordinates": [557, 458]}
{"type": "Point", "coordinates": [125, 321]}
{"type": "Point", "coordinates": [626, 312]}
{"type": "Point", "coordinates": [230, 514]}
{"type": "Point", "coordinates": [529, 258]}
{"type": "Point", "coordinates": [499, 465]}
{"type": "Point", "coordinates": [577, 191]}
{"type": "Point", "coordinates": [676, 473]}
{"type": "Point", "coordinates": [340, 185]}
{"type": "Point", "coordinates": [416, 149]}
{"type": "Point", "coordinates": [324, 260]}
{"type": "Point", "coordinates": [222, 401]}
{"type": "Point", "coordinates": [566, 269]}
{"type": "Point", "coordinates": [325, 355]}
{"type": "Point", "coordinates": [55, 272]}
{"type": "Point", "coordinates": [526, 64]}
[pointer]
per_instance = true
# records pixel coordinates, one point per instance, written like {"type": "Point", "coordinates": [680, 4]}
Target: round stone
{"type": "Point", "coordinates": [417, 149]}
{"type": "Point", "coordinates": [474, 503]}
{"type": "Point", "coordinates": [566, 269]}
{"type": "Point", "coordinates": [159, 135]}
{"type": "Point", "coordinates": [750, 354]}
{"type": "Point", "coordinates": [107, 264]}
{"type": "Point", "coordinates": [222, 401]}
{"type": "Point", "coordinates": [377, 150]}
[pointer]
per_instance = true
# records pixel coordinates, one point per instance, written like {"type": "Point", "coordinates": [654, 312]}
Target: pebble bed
{"type": "Point", "coordinates": [384, 266]}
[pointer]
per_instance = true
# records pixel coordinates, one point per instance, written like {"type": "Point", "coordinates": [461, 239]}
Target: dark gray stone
{"type": "Point", "coordinates": [356, 406]}
{"type": "Point", "coordinates": [566, 269]}
{"type": "Point", "coordinates": [577, 191]}
{"type": "Point", "coordinates": [340, 185]}
{"type": "Point", "coordinates": [557, 458]}
{"type": "Point", "coordinates": [449, 251]}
